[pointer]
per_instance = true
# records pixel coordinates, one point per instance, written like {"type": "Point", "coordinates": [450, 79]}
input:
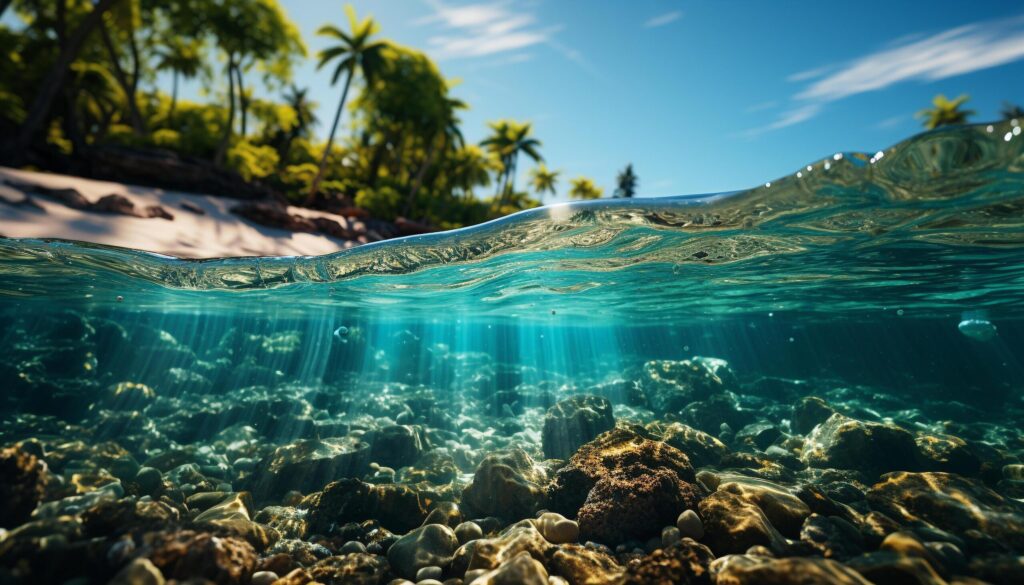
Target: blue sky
{"type": "Point", "coordinates": [700, 96]}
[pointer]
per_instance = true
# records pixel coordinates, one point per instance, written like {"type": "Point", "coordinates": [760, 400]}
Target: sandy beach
{"type": "Point", "coordinates": [216, 232]}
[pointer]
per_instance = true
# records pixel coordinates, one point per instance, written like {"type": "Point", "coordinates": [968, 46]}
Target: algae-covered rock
{"type": "Point", "coordinates": [869, 447]}
{"type": "Point", "coordinates": [396, 507]}
{"type": "Point", "coordinates": [350, 569]}
{"type": "Point", "coordinates": [747, 570]}
{"type": "Point", "coordinates": [670, 385]}
{"type": "Point", "coordinates": [22, 487]}
{"type": "Point", "coordinates": [188, 555]}
{"type": "Point", "coordinates": [686, 562]}
{"type": "Point", "coordinates": [574, 421]}
{"type": "Point", "coordinates": [506, 484]}
{"type": "Point", "coordinates": [306, 465]}
{"type": "Point", "coordinates": [733, 524]}
{"type": "Point", "coordinates": [701, 448]}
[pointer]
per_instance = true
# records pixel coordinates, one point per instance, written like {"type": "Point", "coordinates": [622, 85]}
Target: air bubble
{"type": "Point", "coordinates": [119, 298]}
{"type": "Point", "coordinates": [899, 312]}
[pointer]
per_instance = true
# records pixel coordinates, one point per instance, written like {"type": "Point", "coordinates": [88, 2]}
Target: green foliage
{"type": "Point", "coordinates": [945, 112]}
{"type": "Point", "coordinates": [252, 161]}
{"type": "Point", "coordinates": [584, 188]}
{"type": "Point", "coordinates": [543, 180]}
{"type": "Point", "coordinates": [626, 182]}
{"type": "Point", "coordinates": [382, 202]}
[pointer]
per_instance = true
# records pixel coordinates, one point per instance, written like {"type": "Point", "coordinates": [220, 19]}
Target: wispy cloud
{"type": "Point", "coordinates": [477, 30]}
{"type": "Point", "coordinates": [952, 52]}
{"type": "Point", "coordinates": [663, 19]}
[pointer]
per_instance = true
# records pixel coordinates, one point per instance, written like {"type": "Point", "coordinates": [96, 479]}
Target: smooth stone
{"type": "Point", "coordinates": [149, 479]}
{"type": "Point", "coordinates": [141, 571]}
{"type": "Point", "coordinates": [426, 546]}
{"type": "Point", "coordinates": [670, 535]}
{"type": "Point", "coordinates": [468, 531]}
{"type": "Point", "coordinates": [263, 578]}
{"type": "Point", "coordinates": [557, 529]}
{"type": "Point", "coordinates": [352, 546]}
{"type": "Point", "coordinates": [432, 572]}
{"type": "Point", "coordinates": [690, 525]}
{"type": "Point", "coordinates": [521, 569]}
{"type": "Point", "coordinates": [1013, 471]}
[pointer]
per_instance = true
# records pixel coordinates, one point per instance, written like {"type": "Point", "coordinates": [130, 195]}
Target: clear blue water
{"type": "Point", "coordinates": [847, 279]}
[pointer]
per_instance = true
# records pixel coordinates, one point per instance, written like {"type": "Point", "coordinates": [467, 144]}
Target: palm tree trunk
{"type": "Point", "coordinates": [315, 187]}
{"type": "Point", "coordinates": [243, 102]}
{"type": "Point", "coordinates": [222, 148]}
{"type": "Point", "coordinates": [174, 99]}
{"type": "Point", "coordinates": [418, 181]}
{"type": "Point", "coordinates": [50, 88]}
{"type": "Point", "coordinates": [138, 125]}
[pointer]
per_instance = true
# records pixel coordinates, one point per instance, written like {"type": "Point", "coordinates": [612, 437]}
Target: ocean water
{"type": "Point", "coordinates": [891, 286]}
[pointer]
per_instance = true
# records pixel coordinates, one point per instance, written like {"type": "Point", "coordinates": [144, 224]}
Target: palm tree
{"type": "Point", "coordinates": [507, 141]}
{"type": "Point", "coordinates": [1011, 112]}
{"type": "Point", "coordinates": [356, 51]}
{"type": "Point", "coordinates": [448, 134]}
{"type": "Point", "coordinates": [584, 188]}
{"type": "Point", "coordinates": [627, 182]}
{"type": "Point", "coordinates": [543, 180]}
{"type": "Point", "coordinates": [305, 119]}
{"type": "Point", "coordinates": [946, 112]}
{"type": "Point", "coordinates": [182, 59]}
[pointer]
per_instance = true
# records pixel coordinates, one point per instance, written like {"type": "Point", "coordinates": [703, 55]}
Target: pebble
{"type": "Point", "coordinates": [263, 578]}
{"type": "Point", "coordinates": [141, 571]}
{"type": "Point", "coordinates": [1013, 471]}
{"type": "Point", "coordinates": [670, 535]}
{"type": "Point", "coordinates": [690, 525]}
{"type": "Point", "coordinates": [432, 572]}
{"type": "Point", "coordinates": [468, 531]}
{"type": "Point", "coordinates": [557, 529]}
{"type": "Point", "coordinates": [352, 546]}
{"type": "Point", "coordinates": [148, 479]}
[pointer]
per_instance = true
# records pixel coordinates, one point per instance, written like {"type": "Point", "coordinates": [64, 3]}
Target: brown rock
{"type": "Point", "coordinates": [396, 506]}
{"type": "Point", "coordinates": [869, 447]}
{"type": "Point", "coordinates": [892, 568]}
{"type": "Point", "coordinates": [574, 421]}
{"type": "Point", "coordinates": [580, 565]}
{"type": "Point", "coordinates": [733, 525]}
{"type": "Point", "coordinates": [686, 563]}
{"type": "Point", "coordinates": [744, 570]}
{"type": "Point", "coordinates": [22, 487]}
{"type": "Point", "coordinates": [350, 569]}
{"type": "Point", "coordinates": [189, 555]}
{"type": "Point", "coordinates": [506, 484]}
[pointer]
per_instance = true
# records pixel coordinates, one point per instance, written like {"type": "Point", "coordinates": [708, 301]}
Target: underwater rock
{"type": "Point", "coordinates": [784, 510]}
{"type": "Point", "coordinates": [749, 570]}
{"type": "Point", "coordinates": [350, 569]}
{"type": "Point", "coordinates": [947, 453]}
{"type": "Point", "coordinates": [686, 562]}
{"type": "Point", "coordinates": [428, 546]}
{"type": "Point", "coordinates": [22, 487]}
{"type": "Point", "coordinates": [445, 513]}
{"type": "Point", "coordinates": [396, 507]}
{"type": "Point", "coordinates": [188, 555]}
{"type": "Point", "coordinates": [557, 529]}
{"type": "Point", "coordinates": [114, 517]}
{"type": "Point", "coordinates": [489, 553]}
{"type": "Point", "coordinates": [288, 521]}
{"type": "Point", "coordinates": [869, 447]}
{"type": "Point", "coordinates": [890, 568]}
{"type": "Point", "coordinates": [633, 503]}
{"type": "Point", "coordinates": [521, 569]}
{"type": "Point", "coordinates": [758, 435]}
{"type": "Point", "coordinates": [963, 506]}
{"type": "Point", "coordinates": [733, 524]}
{"type": "Point", "coordinates": [468, 531]}
{"type": "Point", "coordinates": [573, 422]}
{"type": "Point", "coordinates": [689, 525]}
{"type": "Point", "coordinates": [140, 571]}
{"type": "Point", "coordinates": [506, 484]}
{"type": "Point", "coordinates": [618, 449]}
{"type": "Point", "coordinates": [832, 536]}
{"type": "Point", "coordinates": [584, 565]}
{"type": "Point", "coordinates": [810, 412]}
{"type": "Point", "coordinates": [701, 448]}
{"type": "Point", "coordinates": [670, 385]}
{"type": "Point", "coordinates": [710, 414]}
{"type": "Point", "coordinates": [306, 465]}
{"type": "Point", "coordinates": [434, 466]}
{"type": "Point", "coordinates": [395, 446]}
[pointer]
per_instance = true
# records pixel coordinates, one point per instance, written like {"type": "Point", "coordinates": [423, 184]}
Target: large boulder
{"type": "Point", "coordinates": [623, 484]}
{"type": "Point", "coordinates": [670, 385]}
{"type": "Point", "coordinates": [733, 524]}
{"type": "Point", "coordinates": [190, 555]}
{"type": "Point", "coordinates": [22, 487]}
{"type": "Point", "coordinates": [397, 507]}
{"type": "Point", "coordinates": [687, 562]}
{"type": "Point", "coordinates": [396, 445]}
{"type": "Point", "coordinates": [869, 447]}
{"type": "Point", "coordinates": [506, 484]}
{"type": "Point", "coordinates": [306, 465]}
{"type": "Point", "coordinates": [574, 421]}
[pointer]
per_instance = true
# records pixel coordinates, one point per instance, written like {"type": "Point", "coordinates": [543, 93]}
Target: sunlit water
{"type": "Point", "coordinates": [848, 279]}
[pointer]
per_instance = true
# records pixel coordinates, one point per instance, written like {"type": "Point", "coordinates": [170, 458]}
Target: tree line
{"type": "Point", "coordinates": [84, 73]}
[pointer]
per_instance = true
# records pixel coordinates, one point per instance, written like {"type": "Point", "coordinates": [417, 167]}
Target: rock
{"type": "Point", "coordinates": [288, 521]}
{"type": "Point", "coordinates": [139, 572]}
{"type": "Point", "coordinates": [890, 568]}
{"type": "Point", "coordinates": [396, 507]}
{"type": "Point", "coordinates": [607, 455]}
{"type": "Point", "coordinates": [832, 536]}
{"type": "Point", "coordinates": [573, 422]}
{"type": "Point", "coordinates": [430, 545]}
{"type": "Point", "coordinates": [1000, 569]}
{"type": "Point", "coordinates": [785, 511]}
{"type": "Point", "coordinates": [446, 513]}
{"type": "Point", "coordinates": [231, 517]}
{"type": "Point", "coordinates": [759, 435]}
{"type": "Point", "coordinates": [871, 448]}
{"type": "Point", "coordinates": [731, 570]}
{"type": "Point", "coordinates": [952, 503]}
{"type": "Point", "coordinates": [689, 525]}
{"type": "Point", "coordinates": [489, 553]}
{"type": "Point", "coordinates": [810, 412]}
{"type": "Point", "coordinates": [429, 573]}
{"type": "Point", "coordinates": [686, 562]}
{"type": "Point", "coordinates": [263, 578]}
{"type": "Point", "coordinates": [188, 555]}
{"type": "Point", "coordinates": [350, 569]}
{"type": "Point", "coordinates": [947, 453]}
{"type": "Point", "coordinates": [395, 446]}
{"type": "Point", "coordinates": [22, 488]}
{"type": "Point", "coordinates": [149, 480]}
{"type": "Point", "coordinates": [701, 448]}
{"type": "Point", "coordinates": [468, 531]}
{"type": "Point", "coordinates": [307, 465]}
{"type": "Point", "coordinates": [522, 569]}
{"type": "Point", "coordinates": [557, 529]}
{"type": "Point", "coordinates": [733, 524]}
{"type": "Point", "coordinates": [671, 385]}
{"type": "Point", "coordinates": [584, 565]}
{"type": "Point", "coordinates": [506, 484]}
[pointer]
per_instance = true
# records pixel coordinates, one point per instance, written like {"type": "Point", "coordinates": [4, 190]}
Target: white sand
{"type": "Point", "coordinates": [218, 233]}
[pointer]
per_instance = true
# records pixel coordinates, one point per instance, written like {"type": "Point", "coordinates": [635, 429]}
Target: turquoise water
{"type": "Point", "coordinates": [850, 280]}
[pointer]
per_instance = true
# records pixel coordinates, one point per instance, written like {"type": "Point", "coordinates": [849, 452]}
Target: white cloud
{"type": "Point", "coordinates": [476, 30]}
{"type": "Point", "coordinates": [957, 51]}
{"type": "Point", "coordinates": [663, 19]}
